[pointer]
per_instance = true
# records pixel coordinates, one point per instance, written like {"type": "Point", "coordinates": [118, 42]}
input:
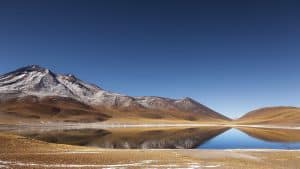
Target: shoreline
{"type": "Point", "coordinates": [117, 125]}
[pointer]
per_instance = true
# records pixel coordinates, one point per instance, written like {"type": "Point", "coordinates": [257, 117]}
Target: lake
{"type": "Point", "coordinates": [168, 138]}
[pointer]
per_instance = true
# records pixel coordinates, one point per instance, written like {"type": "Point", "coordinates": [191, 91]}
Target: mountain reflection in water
{"type": "Point", "coordinates": [273, 135]}
{"type": "Point", "coordinates": [133, 138]}
{"type": "Point", "coordinates": [171, 138]}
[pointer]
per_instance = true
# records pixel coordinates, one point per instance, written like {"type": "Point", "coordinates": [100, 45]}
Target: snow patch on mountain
{"type": "Point", "coordinates": [40, 82]}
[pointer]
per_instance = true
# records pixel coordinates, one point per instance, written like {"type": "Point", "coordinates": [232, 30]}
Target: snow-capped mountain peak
{"type": "Point", "coordinates": [37, 81]}
{"type": "Point", "coordinates": [40, 81]}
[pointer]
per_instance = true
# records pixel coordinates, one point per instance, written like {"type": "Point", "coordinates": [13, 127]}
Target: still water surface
{"type": "Point", "coordinates": [170, 138]}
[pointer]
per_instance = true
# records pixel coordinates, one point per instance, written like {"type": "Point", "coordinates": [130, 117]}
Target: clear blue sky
{"type": "Point", "coordinates": [233, 56]}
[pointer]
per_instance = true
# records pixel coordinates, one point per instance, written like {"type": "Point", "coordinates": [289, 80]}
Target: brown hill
{"type": "Point", "coordinates": [272, 116]}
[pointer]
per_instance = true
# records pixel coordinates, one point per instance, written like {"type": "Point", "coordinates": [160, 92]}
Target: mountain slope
{"type": "Point", "coordinates": [272, 115]}
{"type": "Point", "coordinates": [40, 94]}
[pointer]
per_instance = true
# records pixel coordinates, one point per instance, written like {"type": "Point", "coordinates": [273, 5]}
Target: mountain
{"type": "Point", "coordinates": [272, 116]}
{"type": "Point", "coordinates": [34, 93]}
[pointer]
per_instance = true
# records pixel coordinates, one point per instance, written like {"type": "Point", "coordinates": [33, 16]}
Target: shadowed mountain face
{"type": "Point", "coordinates": [272, 116]}
{"type": "Point", "coordinates": [145, 138]}
{"type": "Point", "coordinates": [48, 108]}
{"type": "Point", "coordinates": [34, 93]}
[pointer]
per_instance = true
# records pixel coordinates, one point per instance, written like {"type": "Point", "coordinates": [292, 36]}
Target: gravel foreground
{"type": "Point", "coordinates": [21, 152]}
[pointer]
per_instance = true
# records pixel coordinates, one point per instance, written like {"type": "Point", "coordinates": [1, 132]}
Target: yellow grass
{"type": "Point", "coordinates": [289, 116]}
